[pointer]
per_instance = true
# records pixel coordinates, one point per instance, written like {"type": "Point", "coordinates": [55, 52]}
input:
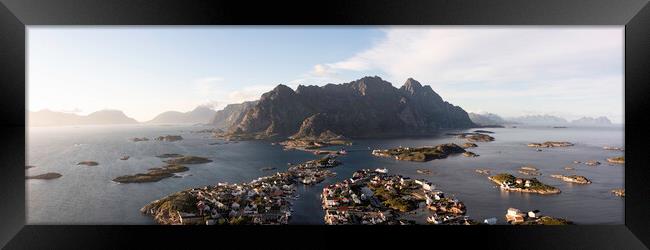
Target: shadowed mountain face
{"type": "Point", "coordinates": [367, 107]}
{"type": "Point", "coordinates": [200, 114]}
{"type": "Point", "coordinates": [231, 115]}
{"type": "Point", "coordinates": [102, 117]}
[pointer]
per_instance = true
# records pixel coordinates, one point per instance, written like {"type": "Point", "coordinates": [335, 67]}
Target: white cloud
{"type": "Point", "coordinates": [248, 93]}
{"type": "Point", "coordinates": [467, 66]}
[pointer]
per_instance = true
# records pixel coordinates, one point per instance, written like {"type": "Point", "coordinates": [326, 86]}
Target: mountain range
{"type": "Point", "coordinates": [489, 119]}
{"type": "Point", "coordinates": [367, 107]}
{"type": "Point", "coordinates": [598, 121]}
{"type": "Point", "coordinates": [201, 114]}
{"type": "Point", "coordinates": [103, 117]}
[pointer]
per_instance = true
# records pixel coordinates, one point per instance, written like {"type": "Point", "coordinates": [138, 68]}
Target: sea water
{"type": "Point", "coordinates": [87, 194]}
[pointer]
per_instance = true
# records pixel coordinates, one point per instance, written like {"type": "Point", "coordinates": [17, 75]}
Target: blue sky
{"type": "Point", "coordinates": [568, 72]}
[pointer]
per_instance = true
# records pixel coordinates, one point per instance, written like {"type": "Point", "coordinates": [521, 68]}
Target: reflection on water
{"type": "Point", "coordinates": [86, 195]}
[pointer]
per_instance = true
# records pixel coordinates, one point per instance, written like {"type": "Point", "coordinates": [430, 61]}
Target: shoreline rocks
{"type": "Point", "coordinates": [469, 145]}
{"type": "Point", "coordinates": [46, 176]}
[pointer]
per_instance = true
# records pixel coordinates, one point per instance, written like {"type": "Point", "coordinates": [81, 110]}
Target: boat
{"type": "Point", "coordinates": [342, 152]}
{"type": "Point", "coordinates": [381, 170]}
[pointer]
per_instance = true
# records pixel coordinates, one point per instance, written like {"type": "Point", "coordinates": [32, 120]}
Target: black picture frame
{"type": "Point", "coordinates": [15, 15]}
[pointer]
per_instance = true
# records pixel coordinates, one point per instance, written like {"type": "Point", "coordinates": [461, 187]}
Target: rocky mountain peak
{"type": "Point", "coordinates": [411, 85]}
{"type": "Point", "coordinates": [370, 84]}
{"type": "Point", "coordinates": [366, 107]}
{"type": "Point", "coordinates": [280, 91]}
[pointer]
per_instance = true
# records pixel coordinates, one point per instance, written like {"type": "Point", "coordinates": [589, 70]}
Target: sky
{"type": "Point", "coordinates": [566, 71]}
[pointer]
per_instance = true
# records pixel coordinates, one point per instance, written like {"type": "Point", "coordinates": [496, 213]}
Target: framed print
{"type": "Point", "coordinates": [517, 123]}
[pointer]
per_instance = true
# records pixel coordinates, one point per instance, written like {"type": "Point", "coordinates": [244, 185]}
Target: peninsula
{"type": "Point", "coordinates": [263, 201]}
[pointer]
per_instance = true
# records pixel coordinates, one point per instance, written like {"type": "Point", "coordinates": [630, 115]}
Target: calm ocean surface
{"type": "Point", "coordinates": [86, 195]}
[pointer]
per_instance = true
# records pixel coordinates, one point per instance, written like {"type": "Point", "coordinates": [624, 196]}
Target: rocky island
{"type": "Point", "coordinates": [168, 155]}
{"type": "Point", "coordinates": [474, 137]}
{"type": "Point", "coordinates": [46, 176]}
{"type": "Point", "coordinates": [550, 144]}
{"type": "Point", "coordinates": [423, 171]}
{"type": "Point", "coordinates": [613, 148]}
{"type": "Point", "coordinates": [516, 217]}
{"type": "Point", "coordinates": [470, 154]}
{"type": "Point", "coordinates": [483, 171]}
{"type": "Point", "coordinates": [572, 178]}
{"type": "Point", "coordinates": [313, 144]}
{"type": "Point", "coordinates": [617, 160]}
{"type": "Point", "coordinates": [88, 163]}
{"type": "Point", "coordinates": [187, 160]}
{"type": "Point", "coordinates": [619, 192]}
{"type": "Point", "coordinates": [169, 138]}
{"type": "Point", "coordinates": [529, 170]}
{"type": "Point", "coordinates": [372, 197]}
{"type": "Point", "coordinates": [421, 154]}
{"type": "Point", "coordinates": [152, 175]}
{"type": "Point", "coordinates": [511, 183]}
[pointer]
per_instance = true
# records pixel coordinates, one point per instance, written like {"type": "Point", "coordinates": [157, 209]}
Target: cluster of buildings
{"type": "Point", "coordinates": [265, 200]}
{"type": "Point", "coordinates": [314, 171]}
{"type": "Point", "coordinates": [262, 201]}
{"type": "Point", "coordinates": [357, 200]}
{"type": "Point", "coordinates": [515, 216]}
{"type": "Point", "coordinates": [518, 183]}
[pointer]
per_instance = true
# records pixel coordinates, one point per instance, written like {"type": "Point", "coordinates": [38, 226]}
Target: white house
{"type": "Point", "coordinates": [513, 211]}
{"type": "Point", "coordinates": [534, 214]}
{"type": "Point", "coordinates": [425, 184]}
